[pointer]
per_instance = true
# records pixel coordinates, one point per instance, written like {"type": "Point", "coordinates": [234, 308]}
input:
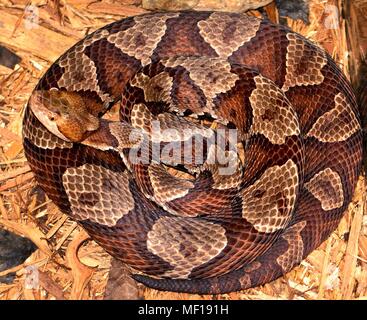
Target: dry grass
{"type": "Point", "coordinates": [336, 270]}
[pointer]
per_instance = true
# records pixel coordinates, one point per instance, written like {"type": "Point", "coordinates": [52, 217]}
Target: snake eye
{"type": "Point", "coordinates": [52, 118]}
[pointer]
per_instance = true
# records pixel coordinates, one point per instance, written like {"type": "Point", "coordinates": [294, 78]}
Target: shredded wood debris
{"type": "Point", "coordinates": [70, 267]}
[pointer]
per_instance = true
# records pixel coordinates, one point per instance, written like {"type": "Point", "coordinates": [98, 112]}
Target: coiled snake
{"type": "Point", "coordinates": [237, 153]}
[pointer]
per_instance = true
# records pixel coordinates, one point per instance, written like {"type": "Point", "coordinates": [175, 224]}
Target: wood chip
{"type": "Point", "coordinates": [348, 279]}
{"type": "Point", "coordinates": [80, 272]}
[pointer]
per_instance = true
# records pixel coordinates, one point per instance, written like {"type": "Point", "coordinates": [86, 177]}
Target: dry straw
{"type": "Point", "coordinates": [40, 31]}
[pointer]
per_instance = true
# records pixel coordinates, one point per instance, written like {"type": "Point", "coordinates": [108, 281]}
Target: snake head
{"type": "Point", "coordinates": [64, 114]}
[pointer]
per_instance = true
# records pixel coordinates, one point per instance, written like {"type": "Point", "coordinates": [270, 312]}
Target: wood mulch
{"type": "Point", "coordinates": [39, 31]}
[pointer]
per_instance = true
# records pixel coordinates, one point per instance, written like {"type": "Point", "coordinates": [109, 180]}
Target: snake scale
{"type": "Point", "coordinates": [236, 152]}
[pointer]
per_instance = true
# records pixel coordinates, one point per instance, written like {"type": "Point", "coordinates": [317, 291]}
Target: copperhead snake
{"type": "Point", "coordinates": [272, 104]}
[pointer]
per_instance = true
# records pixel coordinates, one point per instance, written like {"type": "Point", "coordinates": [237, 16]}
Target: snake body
{"type": "Point", "coordinates": [186, 224]}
